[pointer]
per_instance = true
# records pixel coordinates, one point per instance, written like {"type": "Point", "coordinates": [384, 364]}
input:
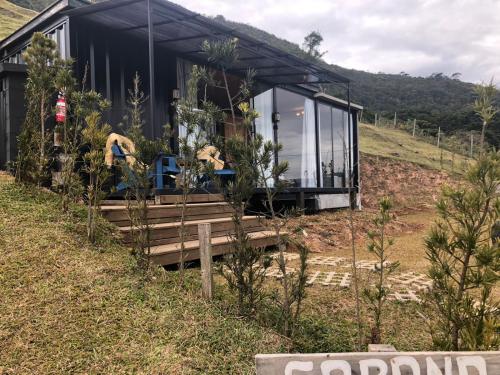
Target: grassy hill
{"type": "Point", "coordinates": [400, 145]}
{"type": "Point", "coordinates": [37, 5]}
{"type": "Point", "coordinates": [12, 17]}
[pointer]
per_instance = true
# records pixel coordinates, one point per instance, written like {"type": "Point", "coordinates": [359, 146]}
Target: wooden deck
{"type": "Point", "coordinates": [164, 216]}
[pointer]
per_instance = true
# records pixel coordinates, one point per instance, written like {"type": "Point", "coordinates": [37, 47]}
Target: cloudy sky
{"type": "Point", "coordinates": [419, 37]}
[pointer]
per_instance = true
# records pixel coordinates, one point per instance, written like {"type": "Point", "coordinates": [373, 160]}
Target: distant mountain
{"type": "Point", "coordinates": [435, 101]}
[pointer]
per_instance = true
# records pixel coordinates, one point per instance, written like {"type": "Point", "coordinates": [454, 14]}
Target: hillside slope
{"type": "Point", "coordinates": [400, 145]}
{"type": "Point", "coordinates": [37, 5]}
{"type": "Point", "coordinates": [69, 307]}
{"type": "Point", "coordinates": [407, 169]}
{"type": "Point", "coordinates": [12, 17]}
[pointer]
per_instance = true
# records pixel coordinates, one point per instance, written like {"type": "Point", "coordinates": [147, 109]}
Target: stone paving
{"type": "Point", "coordinates": [330, 279]}
{"type": "Point", "coordinates": [404, 287]}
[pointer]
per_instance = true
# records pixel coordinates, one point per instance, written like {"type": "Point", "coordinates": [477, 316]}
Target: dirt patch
{"type": "Point", "coordinates": [410, 186]}
{"type": "Point", "coordinates": [330, 230]}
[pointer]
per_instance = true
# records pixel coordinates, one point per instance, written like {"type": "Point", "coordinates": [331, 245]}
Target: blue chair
{"type": "Point", "coordinates": [165, 165]}
{"type": "Point", "coordinates": [118, 154]}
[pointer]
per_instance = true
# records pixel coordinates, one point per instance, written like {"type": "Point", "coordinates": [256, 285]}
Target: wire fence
{"type": "Point", "coordinates": [456, 150]}
{"type": "Point", "coordinates": [465, 144]}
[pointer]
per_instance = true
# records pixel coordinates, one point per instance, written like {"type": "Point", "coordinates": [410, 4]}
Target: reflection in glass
{"type": "Point", "coordinates": [263, 104]}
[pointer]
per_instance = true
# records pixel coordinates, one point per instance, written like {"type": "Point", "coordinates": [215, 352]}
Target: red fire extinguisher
{"type": "Point", "coordinates": [61, 109]}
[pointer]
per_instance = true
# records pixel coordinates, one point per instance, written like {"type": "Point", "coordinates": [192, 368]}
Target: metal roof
{"type": "Point", "coordinates": [338, 101]}
{"type": "Point", "coordinates": [183, 31]}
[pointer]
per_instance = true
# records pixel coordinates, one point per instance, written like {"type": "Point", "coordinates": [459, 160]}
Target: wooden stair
{"type": "Point", "coordinates": [164, 217]}
{"type": "Point", "coordinates": [167, 233]}
{"type": "Point", "coordinates": [170, 254]}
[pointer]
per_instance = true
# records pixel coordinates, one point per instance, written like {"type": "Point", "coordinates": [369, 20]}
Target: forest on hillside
{"type": "Point", "coordinates": [437, 101]}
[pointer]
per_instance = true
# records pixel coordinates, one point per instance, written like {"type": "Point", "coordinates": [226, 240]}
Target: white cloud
{"type": "Point", "coordinates": [416, 36]}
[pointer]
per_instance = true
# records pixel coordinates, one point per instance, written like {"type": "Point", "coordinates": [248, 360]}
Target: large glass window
{"type": "Point", "coordinates": [296, 133]}
{"type": "Point", "coordinates": [326, 145]}
{"type": "Point", "coordinates": [335, 148]}
{"type": "Point", "coordinates": [263, 104]}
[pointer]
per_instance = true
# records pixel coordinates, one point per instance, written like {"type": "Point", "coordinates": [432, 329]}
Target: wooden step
{"type": "Point", "coordinates": [192, 198]}
{"type": "Point", "coordinates": [120, 202]}
{"type": "Point", "coordinates": [170, 213]}
{"type": "Point", "coordinates": [167, 233]}
{"type": "Point", "coordinates": [170, 254]}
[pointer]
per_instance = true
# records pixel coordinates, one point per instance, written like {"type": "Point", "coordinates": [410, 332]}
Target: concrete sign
{"type": "Point", "coordinates": [411, 363]}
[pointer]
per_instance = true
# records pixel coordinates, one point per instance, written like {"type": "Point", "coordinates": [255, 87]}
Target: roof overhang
{"type": "Point", "coordinates": [337, 101]}
{"type": "Point", "coordinates": [181, 30]}
{"type": "Point", "coordinates": [6, 68]}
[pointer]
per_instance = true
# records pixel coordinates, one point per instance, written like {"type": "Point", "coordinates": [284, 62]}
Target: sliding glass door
{"type": "Point", "coordinates": [335, 150]}
{"type": "Point", "coordinates": [297, 135]}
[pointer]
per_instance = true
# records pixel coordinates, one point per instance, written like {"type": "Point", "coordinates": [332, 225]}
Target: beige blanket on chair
{"type": "Point", "coordinates": [211, 155]}
{"type": "Point", "coordinates": [125, 144]}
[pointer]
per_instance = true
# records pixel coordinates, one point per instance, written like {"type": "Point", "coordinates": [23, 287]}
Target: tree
{"type": "Point", "coordinates": [137, 174]}
{"type": "Point", "coordinates": [484, 106]}
{"type": "Point", "coordinates": [224, 54]}
{"type": "Point", "coordinates": [79, 104]}
{"type": "Point", "coordinates": [95, 135]}
{"type": "Point", "coordinates": [270, 178]}
{"type": "Point", "coordinates": [378, 244]}
{"type": "Point", "coordinates": [43, 65]}
{"type": "Point", "coordinates": [245, 266]}
{"type": "Point", "coordinates": [311, 44]}
{"type": "Point", "coordinates": [464, 260]}
{"type": "Point", "coordinates": [196, 123]}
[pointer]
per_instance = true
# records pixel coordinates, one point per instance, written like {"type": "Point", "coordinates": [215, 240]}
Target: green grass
{"type": "Point", "coordinates": [69, 307]}
{"type": "Point", "coordinates": [12, 17]}
{"type": "Point", "coordinates": [400, 145]}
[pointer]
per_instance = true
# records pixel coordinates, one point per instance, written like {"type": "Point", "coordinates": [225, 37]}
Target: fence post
{"type": "Point", "coordinates": [414, 126]}
{"type": "Point", "coordinates": [376, 115]}
{"type": "Point", "coordinates": [204, 238]}
{"type": "Point", "coordinates": [439, 136]}
{"type": "Point", "coordinates": [471, 145]}
{"type": "Point", "coordinates": [395, 119]}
